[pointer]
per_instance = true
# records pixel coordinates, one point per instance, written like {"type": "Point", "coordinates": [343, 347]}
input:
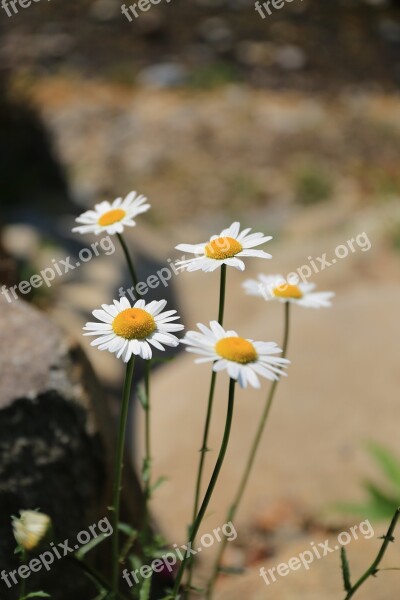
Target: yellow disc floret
{"type": "Point", "coordinates": [223, 247]}
{"type": "Point", "coordinates": [288, 291]}
{"type": "Point", "coordinates": [236, 349]}
{"type": "Point", "coordinates": [111, 217]}
{"type": "Point", "coordinates": [134, 324]}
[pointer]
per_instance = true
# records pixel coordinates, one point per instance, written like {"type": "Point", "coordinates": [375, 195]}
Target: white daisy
{"type": "Point", "coordinates": [243, 359]}
{"type": "Point", "coordinates": [224, 249]}
{"type": "Point", "coordinates": [126, 330]}
{"type": "Point", "coordinates": [112, 217]}
{"type": "Point", "coordinates": [276, 287]}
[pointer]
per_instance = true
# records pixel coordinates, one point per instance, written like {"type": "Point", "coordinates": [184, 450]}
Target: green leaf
{"type": "Point", "coordinates": [197, 590]}
{"type": "Point", "coordinates": [389, 464]}
{"type": "Point", "coordinates": [146, 470]}
{"type": "Point", "coordinates": [127, 529]}
{"type": "Point", "coordinates": [81, 553]}
{"type": "Point", "coordinates": [135, 562]}
{"type": "Point", "coordinates": [379, 498]}
{"type": "Point", "coordinates": [345, 569]}
{"type": "Point", "coordinates": [369, 510]}
{"type": "Point", "coordinates": [36, 595]}
{"type": "Point", "coordinates": [145, 589]}
{"type": "Point", "coordinates": [143, 397]}
{"type": "Point", "coordinates": [158, 483]}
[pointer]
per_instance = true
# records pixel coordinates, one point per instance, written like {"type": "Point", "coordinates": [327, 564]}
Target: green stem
{"type": "Point", "coordinates": [128, 259]}
{"type": "Point", "coordinates": [119, 463]}
{"type": "Point", "coordinates": [222, 295]}
{"type": "Point", "coordinates": [94, 574]}
{"type": "Point", "coordinates": [22, 591]}
{"type": "Point", "coordinates": [374, 567]}
{"type": "Point", "coordinates": [147, 456]}
{"type": "Point", "coordinates": [250, 460]}
{"type": "Point", "coordinates": [204, 447]}
{"type": "Point", "coordinates": [211, 486]}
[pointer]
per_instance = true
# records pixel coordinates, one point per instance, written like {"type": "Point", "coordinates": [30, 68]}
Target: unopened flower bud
{"type": "Point", "coordinates": [31, 528]}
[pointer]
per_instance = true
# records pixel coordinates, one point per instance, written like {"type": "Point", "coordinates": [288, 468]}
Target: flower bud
{"type": "Point", "coordinates": [31, 528]}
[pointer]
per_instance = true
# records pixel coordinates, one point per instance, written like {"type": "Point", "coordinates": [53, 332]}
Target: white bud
{"type": "Point", "coordinates": [31, 528]}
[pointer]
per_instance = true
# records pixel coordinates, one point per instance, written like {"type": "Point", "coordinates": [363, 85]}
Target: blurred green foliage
{"type": "Point", "coordinates": [395, 237]}
{"type": "Point", "coordinates": [381, 501]}
{"type": "Point", "coordinates": [213, 75]}
{"type": "Point", "coordinates": [312, 184]}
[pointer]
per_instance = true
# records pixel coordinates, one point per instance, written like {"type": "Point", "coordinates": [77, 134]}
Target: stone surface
{"type": "Point", "coordinates": [56, 442]}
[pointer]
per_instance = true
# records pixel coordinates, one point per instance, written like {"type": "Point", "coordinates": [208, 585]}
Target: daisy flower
{"type": "Point", "coordinates": [112, 217]}
{"type": "Point", "coordinates": [126, 330]}
{"type": "Point", "coordinates": [276, 287]}
{"type": "Point", "coordinates": [243, 359]}
{"type": "Point", "coordinates": [227, 248]}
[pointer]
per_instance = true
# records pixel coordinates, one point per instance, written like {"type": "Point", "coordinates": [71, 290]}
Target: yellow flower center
{"type": "Point", "coordinates": [134, 324]}
{"type": "Point", "coordinates": [111, 217]}
{"type": "Point", "coordinates": [287, 290]}
{"type": "Point", "coordinates": [237, 349]}
{"type": "Point", "coordinates": [223, 247]}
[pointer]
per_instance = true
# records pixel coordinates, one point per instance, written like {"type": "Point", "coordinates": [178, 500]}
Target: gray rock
{"type": "Point", "coordinates": [291, 58]}
{"type": "Point", "coordinates": [55, 449]}
{"type": "Point", "coordinates": [104, 10]}
{"type": "Point", "coordinates": [217, 32]}
{"type": "Point", "coordinates": [163, 75]}
{"type": "Point", "coordinates": [389, 30]}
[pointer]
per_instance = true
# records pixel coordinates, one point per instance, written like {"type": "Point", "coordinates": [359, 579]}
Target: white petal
{"type": "Point", "coordinates": [170, 327]}
{"type": "Point", "coordinates": [243, 234]}
{"type": "Point", "coordinates": [101, 315]}
{"type": "Point", "coordinates": [217, 330]}
{"type": "Point", "coordinates": [232, 231]}
{"type": "Point", "coordinates": [192, 248]}
{"type": "Point", "coordinates": [140, 304]}
{"type": "Point", "coordinates": [255, 239]}
{"type": "Point", "coordinates": [252, 377]}
{"type": "Point", "coordinates": [156, 344]}
{"type": "Point", "coordinates": [255, 253]}
{"type": "Point", "coordinates": [161, 304]}
{"type": "Point", "coordinates": [124, 303]}
{"type": "Point", "coordinates": [235, 262]}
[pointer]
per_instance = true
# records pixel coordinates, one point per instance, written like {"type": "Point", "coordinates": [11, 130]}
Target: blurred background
{"type": "Point", "coordinates": [289, 124]}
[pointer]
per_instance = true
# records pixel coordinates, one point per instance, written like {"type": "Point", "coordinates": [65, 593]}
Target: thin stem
{"type": "Point", "coordinates": [204, 447]}
{"type": "Point", "coordinates": [373, 569]}
{"type": "Point", "coordinates": [222, 295]}
{"type": "Point", "coordinates": [147, 456]}
{"type": "Point", "coordinates": [128, 259]}
{"type": "Point", "coordinates": [119, 464]}
{"type": "Point", "coordinates": [250, 460]}
{"type": "Point", "coordinates": [211, 485]}
{"type": "Point", "coordinates": [94, 574]}
{"type": "Point", "coordinates": [22, 591]}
